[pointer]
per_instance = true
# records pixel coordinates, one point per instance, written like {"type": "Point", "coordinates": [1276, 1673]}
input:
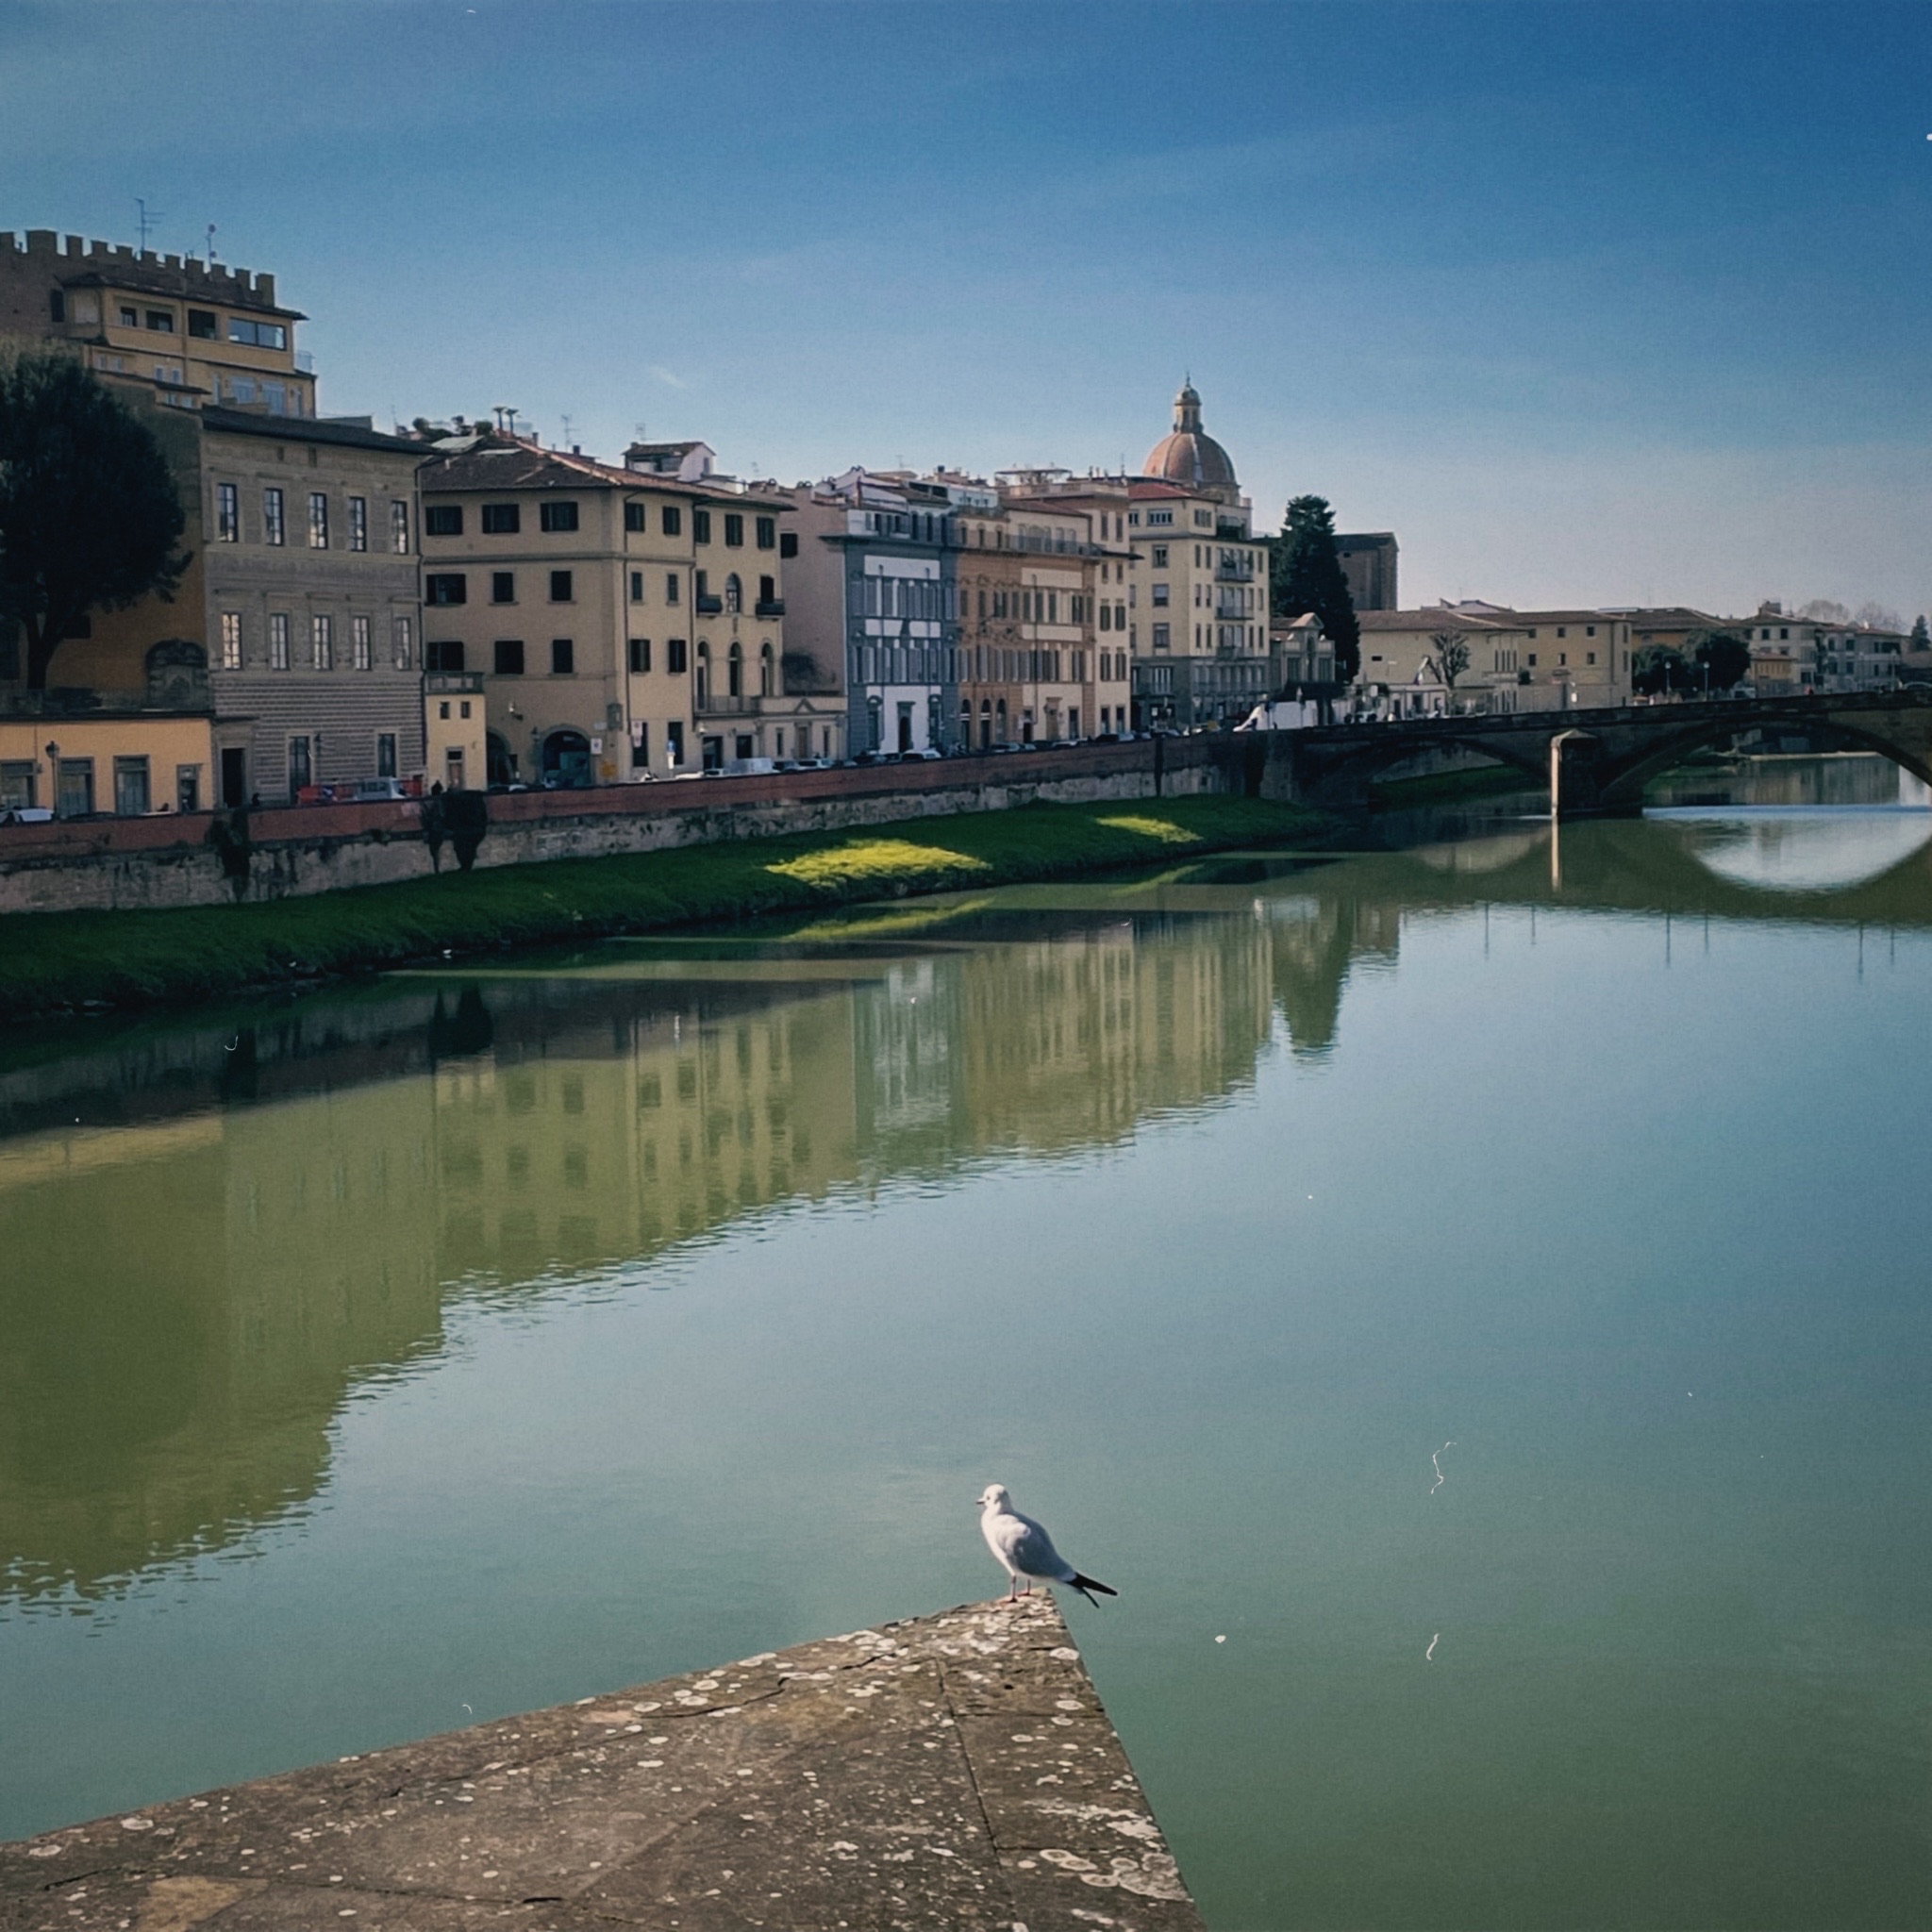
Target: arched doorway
{"type": "Point", "coordinates": [499, 761]}
{"type": "Point", "coordinates": [567, 759]}
{"type": "Point", "coordinates": [765, 671]}
{"type": "Point", "coordinates": [734, 673]}
{"type": "Point", "coordinates": [704, 675]}
{"type": "Point", "coordinates": [734, 595]}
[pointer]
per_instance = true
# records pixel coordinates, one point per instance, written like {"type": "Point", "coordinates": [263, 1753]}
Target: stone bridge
{"type": "Point", "coordinates": [1595, 764]}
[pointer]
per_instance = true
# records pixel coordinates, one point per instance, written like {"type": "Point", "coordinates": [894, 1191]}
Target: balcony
{"type": "Point", "coordinates": [769, 607]}
{"type": "Point", "coordinates": [1227, 572]}
{"type": "Point", "coordinates": [452, 683]}
{"type": "Point", "coordinates": [709, 605]}
{"type": "Point", "coordinates": [722, 705]}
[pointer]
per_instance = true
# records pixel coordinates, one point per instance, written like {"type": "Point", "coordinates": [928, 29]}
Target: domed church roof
{"type": "Point", "coordinates": [1191, 456]}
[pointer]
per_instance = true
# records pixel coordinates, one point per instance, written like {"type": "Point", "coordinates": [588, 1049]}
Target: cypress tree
{"type": "Point", "coordinates": [1304, 577]}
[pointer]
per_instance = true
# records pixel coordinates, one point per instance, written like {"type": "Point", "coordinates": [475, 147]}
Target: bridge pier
{"type": "Point", "coordinates": [1582, 779]}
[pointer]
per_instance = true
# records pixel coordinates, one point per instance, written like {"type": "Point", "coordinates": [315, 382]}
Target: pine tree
{"type": "Point", "coordinates": [90, 515]}
{"type": "Point", "coordinates": [1305, 575]}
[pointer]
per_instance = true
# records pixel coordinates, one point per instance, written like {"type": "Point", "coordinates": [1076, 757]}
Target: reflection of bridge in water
{"type": "Point", "coordinates": [249, 1219]}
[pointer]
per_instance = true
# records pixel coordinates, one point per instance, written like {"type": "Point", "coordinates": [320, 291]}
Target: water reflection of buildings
{"type": "Point", "coordinates": [190, 1296]}
{"type": "Point", "coordinates": [249, 1219]}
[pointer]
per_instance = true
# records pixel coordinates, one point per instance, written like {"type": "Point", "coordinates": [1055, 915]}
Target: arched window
{"type": "Point", "coordinates": [734, 672]}
{"type": "Point", "coordinates": [765, 672]}
{"type": "Point", "coordinates": [734, 595]}
{"type": "Point", "coordinates": [704, 673]}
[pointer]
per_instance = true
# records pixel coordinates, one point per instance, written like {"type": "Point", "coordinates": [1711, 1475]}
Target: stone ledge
{"type": "Point", "coordinates": [949, 1772]}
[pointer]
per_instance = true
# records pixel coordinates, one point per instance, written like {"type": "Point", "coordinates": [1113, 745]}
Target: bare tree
{"type": "Point", "coordinates": [1878, 617]}
{"type": "Point", "coordinates": [1451, 655]}
{"type": "Point", "coordinates": [1823, 611]}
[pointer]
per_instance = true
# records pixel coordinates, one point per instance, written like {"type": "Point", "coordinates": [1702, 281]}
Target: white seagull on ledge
{"type": "Point", "coordinates": [1023, 1548]}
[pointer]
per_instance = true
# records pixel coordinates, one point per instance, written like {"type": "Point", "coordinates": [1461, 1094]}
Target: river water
{"type": "Point", "coordinates": [1470, 1300]}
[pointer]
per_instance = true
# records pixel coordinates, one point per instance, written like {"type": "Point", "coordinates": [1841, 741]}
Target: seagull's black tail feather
{"type": "Point", "coordinates": [1087, 1585]}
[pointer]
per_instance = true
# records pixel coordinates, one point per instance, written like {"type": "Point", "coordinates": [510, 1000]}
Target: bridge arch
{"type": "Point", "coordinates": [1623, 787]}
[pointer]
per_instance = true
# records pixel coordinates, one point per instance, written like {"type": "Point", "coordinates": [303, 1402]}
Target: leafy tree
{"type": "Point", "coordinates": [1451, 655]}
{"type": "Point", "coordinates": [1305, 575]}
{"type": "Point", "coordinates": [1719, 659]}
{"type": "Point", "coordinates": [90, 515]}
{"type": "Point", "coordinates": [1921, 639]}
{"type": "Point", "coordinates": [1658, 669]}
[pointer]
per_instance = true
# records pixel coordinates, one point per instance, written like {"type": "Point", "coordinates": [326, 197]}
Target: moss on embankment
{"type": "Point", "coordinates": [55, 961]}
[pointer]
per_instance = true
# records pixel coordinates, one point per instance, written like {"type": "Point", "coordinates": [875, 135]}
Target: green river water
{"type": "Point", "coordinates": [1470, 1301]}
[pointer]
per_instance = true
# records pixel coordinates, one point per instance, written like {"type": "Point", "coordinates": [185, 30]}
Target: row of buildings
{"type": "Point", "coordinates": [459, 605]}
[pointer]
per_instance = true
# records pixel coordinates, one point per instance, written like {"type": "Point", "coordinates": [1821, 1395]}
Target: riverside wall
{"type": "Point", "coordinates": [170, 860]}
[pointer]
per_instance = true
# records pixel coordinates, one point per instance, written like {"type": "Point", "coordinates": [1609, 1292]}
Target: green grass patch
{"type": "Point", "coordinates": [54, 961]}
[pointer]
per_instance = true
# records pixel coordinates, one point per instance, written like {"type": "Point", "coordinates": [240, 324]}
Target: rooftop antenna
{"type": "Point", "coordinates": [148, 220]}
{"type": "Point", "coordinates": [643, 431]}
{"type": "Point", "coordinates": [211, 245]}
{"type": "Point", "coordinates": [500, 411]}
{"type": "Point", "coordinates": [566, 432]}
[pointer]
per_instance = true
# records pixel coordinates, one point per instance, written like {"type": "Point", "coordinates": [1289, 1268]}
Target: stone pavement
{"type": "Point", "coordinates": [949, 1772]}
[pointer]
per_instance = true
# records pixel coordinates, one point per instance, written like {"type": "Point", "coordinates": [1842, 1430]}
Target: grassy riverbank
{"type": "Point", "coordinates": [53, 962]}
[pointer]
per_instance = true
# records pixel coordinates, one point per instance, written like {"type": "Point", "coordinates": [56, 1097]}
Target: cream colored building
{"type": "Point", "coordinates": [183, 331]}
{"type": "Point", "coordinates": [624, 623]}
{"type": "Point", "coordinates": [1519, 660]}
{"type": "Point", "coordinates": [1033, 583]}
{"type": "Point", "coordinates": [1194, 578]}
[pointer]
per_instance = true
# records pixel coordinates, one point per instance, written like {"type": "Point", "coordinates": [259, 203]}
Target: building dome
{"type": "Point", "coordinates": [1191, 456]}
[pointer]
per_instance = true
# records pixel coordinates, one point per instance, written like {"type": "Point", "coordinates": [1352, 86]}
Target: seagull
{"type": "Point", "coordinates": [1024, 1549]}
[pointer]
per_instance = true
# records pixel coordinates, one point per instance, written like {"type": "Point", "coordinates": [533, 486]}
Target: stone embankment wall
{"type": "Point", "coordinates": [126, 864]}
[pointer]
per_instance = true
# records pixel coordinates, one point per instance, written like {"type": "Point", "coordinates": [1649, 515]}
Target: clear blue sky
{"type": "Point", "coordinates": [1603, 303]}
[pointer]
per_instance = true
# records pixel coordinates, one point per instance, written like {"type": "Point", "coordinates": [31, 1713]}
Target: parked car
{"type": "Point", "coordinates": [26, 815]}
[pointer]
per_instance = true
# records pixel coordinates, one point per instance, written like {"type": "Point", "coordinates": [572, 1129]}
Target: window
{"type": "Point", "coordinates": [1589, 657]}
{"type": "Point", "coordinates": [399, 527]}
{"type": "Point", "coordinates": [564, 657]}
{"type": "Point", "coordinates": [509, 657]}
{"type": "Point", "coordinates": [130, 318]}
{"type": "Point", "coordinates": [734, 593]}
{"type": "Point", "coordinates": [1161, 557]}
{"type": "Point", "coordinates": [557, 517]}
{"type": "Point", "coordinates": [673, 742]}
{"type": "Point", "coordinates": [768, 592]}
{"type": "Point", "coordinates": [788, 543]}
{"type": "Point", "coordinates": [201, 325]}
{"type": "Point", "coordinates": [448, 588]}
{"type": "Point", "coordinates": [675, 660]}
{"type": "Point", "coordinates": [161, 320]}
{"type": "Point", "coordinates": [227, 513]}
{"type": "Point", "coordinates": [300, 769]}
{"type": "Point", "coordinates": [263, 335]}
{"type": "Point", "coordinates": [360, 645]}
{"type": "Point", "coordinates": [503, 587]}
{"type": "Point", "coordinates": [385, 754]}
{"type": "Point", "coordinates": [701, 527]}
{"type": "Point", "coordinates": [231, 641]}
{"type": "Point", "coordinates": [359, 522]}
{"type": "Point", "coordinates": [640, 654]}
{"type": "Point", "coordinates": [442, 520]}
{"type": "Point", "coordinates": [318, 520]}
{"type": "Point", "coordinates": [734, 529]}
{"type": "Point", "coordinates": [273, 528]}
{"type": "Point", "coordinates": [1158, 517]}
{"type": "Point", "coordinates": [131, 787]}
{"type": "Point", "coordinates": [671, 588]}
{"type": "Point", "coordinates": [187, 788]}
{"type": "Point", "coordinates": [403, 641]}
{"type": "Point", "coordinates": [279, 642]}
{"type": "Point", "coordinates": [559, 587]}
{"type": "Point", "coordinates": [637, 587]}
{"type": "Point", "coordinates": [1161, 637]}
{"type": "Point", "coordinates": [634, 516]}
{"type": "Point", "coordinates": [1158, 597]}
{"type": "Point", "coordinates": [501, 519]}
{"type": "Point", "coordinates": [672, 518]}
{"type": "Point", "coordinates": [767, 531]}
{"type": "Point", "coordinates": [321, 642]}
{"type": "Point", "coordinates": [442, 654]}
